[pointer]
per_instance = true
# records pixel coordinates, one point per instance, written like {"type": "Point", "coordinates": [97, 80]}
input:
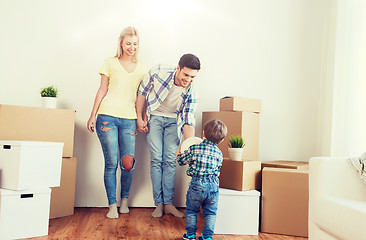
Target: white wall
{"type": "Point", "coordinates": [276, 51]}
{"type": "Point", "coordinates": [349, 128]}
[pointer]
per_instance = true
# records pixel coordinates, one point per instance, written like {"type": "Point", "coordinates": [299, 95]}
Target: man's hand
{"type": "Point", "coordinates": [188, 131]}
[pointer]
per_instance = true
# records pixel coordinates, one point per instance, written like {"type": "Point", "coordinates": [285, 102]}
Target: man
{"type": "Point", "coordinates": [166, 105]}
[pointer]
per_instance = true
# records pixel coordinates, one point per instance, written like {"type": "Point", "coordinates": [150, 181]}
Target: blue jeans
{"type": "Point", "coordinates": [202, 191]}
{"type": "Point", "coordinates": [117, 137]}
{"type": "Point", "coordinates": [163, 142]}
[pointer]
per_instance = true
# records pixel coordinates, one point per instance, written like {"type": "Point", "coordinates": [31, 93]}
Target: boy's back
{"type": "Point", "coordinates": [205, 160]}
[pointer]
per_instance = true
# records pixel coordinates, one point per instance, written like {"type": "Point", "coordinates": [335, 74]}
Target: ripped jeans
{"type": "Point", "coordinates": [117, 137]}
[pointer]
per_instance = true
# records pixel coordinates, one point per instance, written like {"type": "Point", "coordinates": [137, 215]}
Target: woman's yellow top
{"type": "Point", "coordinates": [122, 89]}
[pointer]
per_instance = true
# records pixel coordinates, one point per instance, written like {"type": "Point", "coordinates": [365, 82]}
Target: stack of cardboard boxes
{"type": "Point", "coordinates": [48, 125]}
{"type": "Point", "coordinates": [283, 184]}
{"type": "Point", "coordinates": [241, 116]}
{"type": "Point", "coordinates": [238, 210]}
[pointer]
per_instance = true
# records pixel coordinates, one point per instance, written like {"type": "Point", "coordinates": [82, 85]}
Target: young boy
{"type": "Point", "coordinates": [205, 160]}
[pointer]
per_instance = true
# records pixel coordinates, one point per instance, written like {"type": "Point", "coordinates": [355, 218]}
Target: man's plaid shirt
{"type": "Point", "coordinates": [205, 159]}
{"type": "Point", "coordinates": [155, 87]}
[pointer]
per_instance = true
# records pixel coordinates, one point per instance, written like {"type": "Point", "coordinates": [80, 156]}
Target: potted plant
{"type": "Point", "coordinates": [49, 96]}
{"type": "Point", "coordinates": [236, 145]}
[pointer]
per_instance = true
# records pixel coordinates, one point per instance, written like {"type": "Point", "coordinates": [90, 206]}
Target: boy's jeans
{"type": "Point", "coordinates": [202, 191]}
{"type": "Point", "coordinates": [117, 137]}
{"type": "Point", "coordinates": [163, 142]}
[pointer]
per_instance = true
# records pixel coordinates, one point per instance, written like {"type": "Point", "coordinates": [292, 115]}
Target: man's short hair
{"type": "Point", "coordinates": [190, 61]}
{"type": "Point", "coordinates": [215, 130]}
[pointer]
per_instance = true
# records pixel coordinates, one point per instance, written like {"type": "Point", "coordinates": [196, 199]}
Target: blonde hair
{"type": "Point", "coordinates": [127, 31]}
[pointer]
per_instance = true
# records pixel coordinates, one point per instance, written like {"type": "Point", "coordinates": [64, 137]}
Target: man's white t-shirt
{"type": "Point", "coordinates": [168, 107]}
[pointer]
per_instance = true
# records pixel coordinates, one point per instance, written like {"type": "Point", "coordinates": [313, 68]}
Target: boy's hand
{"type": "Point", "coordinates": [178, 151]}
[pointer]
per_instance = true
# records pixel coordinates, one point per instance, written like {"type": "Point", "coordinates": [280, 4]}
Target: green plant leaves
{"type": "Point", "coordinates": [50, 91]}
{"type": "Point", "coordinates": [236, 141]}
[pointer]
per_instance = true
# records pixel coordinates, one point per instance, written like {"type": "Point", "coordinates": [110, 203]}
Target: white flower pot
{"type": "Point", "coordinates": [235, 154]}
{"type": "Point", "coordinates": [49, 102]}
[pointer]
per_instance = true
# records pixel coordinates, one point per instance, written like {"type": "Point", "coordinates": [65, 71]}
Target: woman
{"type": "Point", "coordinates": [116, 121]}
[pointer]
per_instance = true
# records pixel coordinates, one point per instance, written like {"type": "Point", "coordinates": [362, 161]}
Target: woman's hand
{"type": "Point", "coordinates": [91, 124]}
{"type": "Point", "coordinates": [102, 91]}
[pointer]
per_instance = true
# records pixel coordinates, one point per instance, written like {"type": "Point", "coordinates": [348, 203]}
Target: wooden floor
{"type": "Point", "coordinates": [91, 223]}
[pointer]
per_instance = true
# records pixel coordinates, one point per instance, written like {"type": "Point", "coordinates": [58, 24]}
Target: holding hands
{"type": "Point", "coordinates": [142, 125]}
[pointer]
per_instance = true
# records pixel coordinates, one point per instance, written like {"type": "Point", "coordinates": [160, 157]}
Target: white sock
{"type": "Point", "coordinates": [158, 212]}
{"type": "Point", "coordinates": [124, 206]}
{"type": "Point", "coordinates": [113, 213]}
{"type": "Point", "coordinates": [170, 209]}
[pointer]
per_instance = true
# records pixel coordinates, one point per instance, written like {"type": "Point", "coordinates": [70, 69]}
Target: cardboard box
{"type": "Point", "coordinates": [286, 164]}
{"type": "Point", "coordinates": [38, 124]}
{"type": "Point", "coordinates": [24, 214]}
{"type": "Point", "coordinates": [240, 104]}
{"type": "Point", "coordinates": [63, 197]}
{"type": "Point", "coordinates": [240, 175]}
{"type": "Point", "coordinates": [237, 212]}
{"type": "Point", "coordinates": [245, 124]}
{"type": "Point", "coordinates": [30, 164]}
{"type": "Point", "coordinates": [285, 201]}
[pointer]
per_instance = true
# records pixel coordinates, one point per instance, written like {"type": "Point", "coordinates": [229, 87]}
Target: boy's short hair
{"type": "Point", "coordinates": [215, 130]}
{"type": "Point", "coordinates": [190, 61]}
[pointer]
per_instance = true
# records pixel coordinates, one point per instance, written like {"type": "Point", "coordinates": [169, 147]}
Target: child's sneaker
{"type": "Point", "coordinates": [189, 236]}
{"type": "Point", "coordinates": [202, 237]}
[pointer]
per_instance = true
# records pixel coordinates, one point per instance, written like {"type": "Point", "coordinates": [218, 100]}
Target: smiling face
{"type": "Point", "coordinates": [129, 45]}
{"type": "Point", "coordinates": [184, 76]}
